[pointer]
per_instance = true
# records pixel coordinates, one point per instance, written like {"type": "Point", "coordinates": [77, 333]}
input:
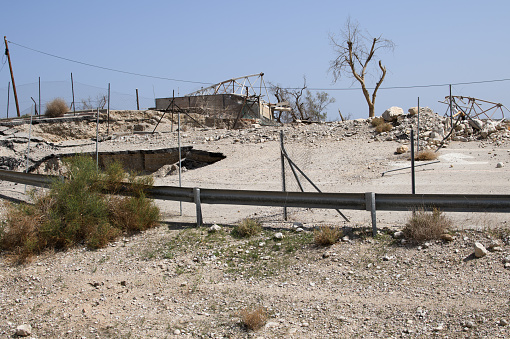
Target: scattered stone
{"type": "Point", "coordinates": [305, 324]}
{"type": "Point", "coordinates": [386, 258]}
{"type": "Point", "coordinates": [24, 330]}
{"type": "Point", "coordinates": [299, 229]}
{"type": "Point", "coordinates": [326, 255]}
{"type": "Point", "coordinates": [279, 235]}
{"type": "Point", "coordinates": [469, 324]}
{"type": "Point", "coordinates": [438, 328]}
{"type": "Point", "coordinates": [271, 324]}
{"type": "Point", "coordinates": [500, 165]}
{"type": "Point", "coordinates": [214, 228]}
{"type": "Point", "coordinates": [262, 244]}
{"type": "Point", "coordinates": [184, 283]}
{"type": "Point", "coordinates": [177, 331]}
{"type": "Point", "coordinates": [480, 250]}
{"type": "Point", "coordinates": [506, 260]}
{"type": "Point", "coordinates": [345, 238]}
{"type": "Point", "coordinates": [402, 149]}
{"type": "Point", "coordinates": [392, 113]}
{"type": "Point", "coordinates": [447, 237]}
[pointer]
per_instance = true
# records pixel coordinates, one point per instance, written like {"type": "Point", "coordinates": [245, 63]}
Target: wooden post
{"type": "Point", "coordinates": [12, 75]}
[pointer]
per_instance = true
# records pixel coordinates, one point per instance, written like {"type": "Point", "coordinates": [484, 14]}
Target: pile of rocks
{"type": "Point", "coordinates": [434, 128]}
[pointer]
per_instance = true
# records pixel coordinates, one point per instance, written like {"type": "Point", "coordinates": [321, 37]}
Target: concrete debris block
{"type": "Point", "coordinates": [402, 149]}
{"type": "Point", "coordinates": [480, 250]}
{"type": "Point", "coordinates": [24, 330]}
{"type": "Point", "coordinates": [398, 235]}
{"type": "Point", "coordinates": [214, 228]}
{"type": "Point", "coordinates": [392, 113]}
{"type": "Point", "coordinates": [414, 110]}
{"type": "Point", "coordinates": [476, 124]}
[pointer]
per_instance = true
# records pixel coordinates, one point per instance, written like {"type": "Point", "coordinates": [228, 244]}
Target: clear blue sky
{"type": "Point", "coordinates": [437, 42]}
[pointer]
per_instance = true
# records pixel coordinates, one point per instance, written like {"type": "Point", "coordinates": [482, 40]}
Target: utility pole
{"type": "Point", "coordinates": [12, 75]}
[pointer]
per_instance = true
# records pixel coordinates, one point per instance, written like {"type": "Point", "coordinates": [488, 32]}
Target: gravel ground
{"type": "Point", "coordinates": [180, 281]}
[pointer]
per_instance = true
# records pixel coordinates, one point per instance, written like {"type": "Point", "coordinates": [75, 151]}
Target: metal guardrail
{"type": "Point", "coordinates": [354, 201]}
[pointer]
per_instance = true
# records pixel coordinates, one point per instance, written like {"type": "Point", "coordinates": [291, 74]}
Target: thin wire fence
{"type": "Point", "coordinates": [85, 97]}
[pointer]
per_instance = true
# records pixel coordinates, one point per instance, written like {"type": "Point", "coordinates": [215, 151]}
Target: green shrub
{"type": "Point", "coordinates": [425, 226]}
{"type": "Point", "coordinates": [326, 235]}
{"type": "Point", "coordinates": [56, 108]}
{"type": "Point", "coordinates": [76, 211]}
{"type": "Point", "coordinates": [247, 228]}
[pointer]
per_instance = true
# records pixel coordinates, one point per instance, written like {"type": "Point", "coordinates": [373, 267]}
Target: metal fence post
{"type": "Point", "coordinates": [284, 187]}
{"type": "Point", "coordinates": [196, 195]}
{"type": "Point", "coordinates": [370, 206]}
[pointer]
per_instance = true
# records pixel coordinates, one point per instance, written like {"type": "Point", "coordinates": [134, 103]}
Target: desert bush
{"type": "Point", "coordinates": [424, 226]}
{"type": "Point", "coordinates": [76, 211]}
{"type": "Point", "coordinates": [247, 228]}
{"type": "Point", "coordinates": [253, 319]}
{"type": "Point", "coordinates": [377, 121]}
{"type": "Point", "coordinates": [384, 127]}
{"type": "Point", "coordinates": [56, 108]}
{"type": "Point", "coordinates": [326, 235]}
{"type": "Point", "coordinates": [426, 155]}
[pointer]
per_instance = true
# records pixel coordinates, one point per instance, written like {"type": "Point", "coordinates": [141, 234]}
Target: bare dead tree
{"type": "Point", "coordinates": [305, 105]}
{"type": "Point", "coordinates": [355, 52]}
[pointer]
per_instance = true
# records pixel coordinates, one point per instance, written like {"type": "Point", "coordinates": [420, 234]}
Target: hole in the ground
{"type": "Point", "coordinates": [140, 161]}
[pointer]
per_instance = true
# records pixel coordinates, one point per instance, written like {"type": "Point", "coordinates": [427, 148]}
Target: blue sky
{"type": "Point", "coordinates": [437, 42]}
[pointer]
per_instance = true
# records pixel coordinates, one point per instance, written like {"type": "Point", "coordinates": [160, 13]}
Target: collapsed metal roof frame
{"type": "Point", "coordinates": [244, 86]}
{"type": "Point", "coordinates": [473, 107]}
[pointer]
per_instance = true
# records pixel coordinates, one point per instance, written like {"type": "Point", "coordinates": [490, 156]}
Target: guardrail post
{"type": "Point", "coordinates": [196, 195]}
{"type": "Point", "coordinates": [370, 206]}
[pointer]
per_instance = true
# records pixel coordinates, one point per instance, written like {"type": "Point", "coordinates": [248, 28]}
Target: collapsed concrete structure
{"type": "Point", "coordinates": [234, 99]}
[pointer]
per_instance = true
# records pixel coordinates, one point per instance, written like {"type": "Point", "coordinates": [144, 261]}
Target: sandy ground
{"type": "Point", "coordinates": [176, 281]}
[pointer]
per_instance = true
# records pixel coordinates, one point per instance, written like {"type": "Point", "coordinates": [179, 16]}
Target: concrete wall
{"type": "Point", "coordinates": [220, 105]}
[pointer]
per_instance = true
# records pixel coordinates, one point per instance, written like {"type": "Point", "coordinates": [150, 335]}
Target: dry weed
{"type": "Point", "coordinates": [247, 228]}
{"type": "Point", "coordinates": [326, 235]}
{"type": "Point", "coordinates": [426, 155]}
{"type": "Point", "coordinates": [56, 108]}
{"type": "Point", "coordinates": [377, 121]}
{"type": "Point", "coordinates": [384, 127]}
{"type": "Point", "coordinates": [253, 319]}
{"type": "Point", "coordinates": [425, 226]}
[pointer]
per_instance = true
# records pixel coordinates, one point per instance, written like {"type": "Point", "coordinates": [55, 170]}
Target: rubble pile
{"type": "Point", "coordinates": [436, 130]}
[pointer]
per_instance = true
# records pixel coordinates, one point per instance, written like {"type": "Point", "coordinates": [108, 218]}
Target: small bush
{"type": "Point", "coordinates": [247, 228]}
{"type": "Point", "coordinates": [56, 108]}
{"type": "Point", "coordinates": [377, 121]}
{"type": "Point", "coordinates": [76, 211]}
{"type": "Point", "coordinates": [426, 155]}
{"type": "Point", "coordinates": [253, 319]}
{"type": "Point", "coordinates": [425, 226]}
{"type": "Point", "coordinates": [326, 235]}
{"type": "Point", "coordinates": [384, 127]}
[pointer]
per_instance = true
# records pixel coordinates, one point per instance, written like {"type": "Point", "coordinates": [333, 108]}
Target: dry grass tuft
{"type": "Point", "coordinates": [384, 127]}
{"type": "Point", "coordinates": [426, 155]}
{"type": "Point", "coordinates": [326, 235]}
{"type": "Point", "coordinates": [377, 121]}
{"type": "Point", "coordinates": [247, 228]}
{"type": "Point", "coordinates": [425, 226]}
{"type": "Point", "coordinates": [253, 319]}
{"type": "Point", "coordinates": [56, 108]}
